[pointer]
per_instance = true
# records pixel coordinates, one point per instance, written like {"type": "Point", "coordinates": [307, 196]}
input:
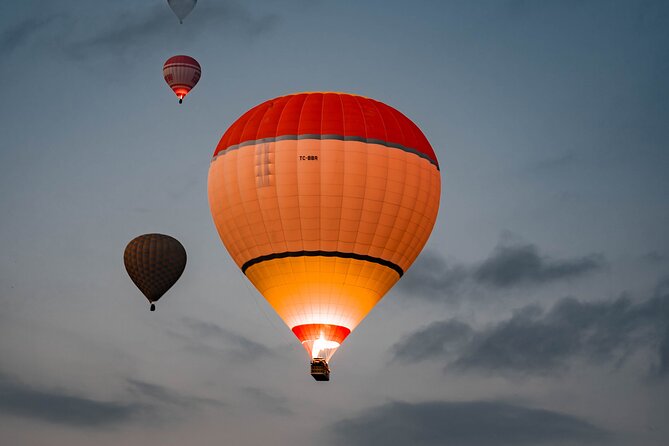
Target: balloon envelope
{"type": "Point", "coordinates": [181, 73]}
{"type": "Point", "coordinates": [323, 200]}
{"type": "Point", "coordinates": [181, 8]}
{"type": "Point", "coordinates": [154, 263]}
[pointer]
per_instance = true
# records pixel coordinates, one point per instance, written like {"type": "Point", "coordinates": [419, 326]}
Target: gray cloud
{"type": "Point", "coordinates": [147, 402]}
{"type": "Point", "coordinates": [269, 401]}
{"type": "Point", "coordinates": [477, 423]}
{"type": "Point", "coordinates": [137, 28]}
{"type": "Point", "coordinates": [512, 265]}
{"type": "Point", "coordinates": [130, 29]}
{"type": "Point", "coordinates": [437, 340]}
{"type": "Point", "coordinates": [432, 277]}
{"type": "Point", "coordinates": [59, 407]}
{"type": "Point", "coordinates": [534, 341]}
{"type": "Point", "coordinates": [21, 33]}
{"type": "Point", "coordinates": [655, 258]}
{"type": "Point", "coordinates": [508, 265]}
{"type": "Point", "coordinates": [241, 347]}
{"type": "Point", "coordinates": [663, 366]}
{"type": "Point", "coordinates": [164, 396]}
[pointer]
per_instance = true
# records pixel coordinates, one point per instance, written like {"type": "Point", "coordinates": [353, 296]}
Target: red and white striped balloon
{"type": "Point", "coordinates": [182, 74]}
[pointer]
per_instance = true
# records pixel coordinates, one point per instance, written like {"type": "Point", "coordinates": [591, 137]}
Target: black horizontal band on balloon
{"type": "Point", "coordinates": [343, 255]}
{"type": "Point", "coordinates": [326, 137]}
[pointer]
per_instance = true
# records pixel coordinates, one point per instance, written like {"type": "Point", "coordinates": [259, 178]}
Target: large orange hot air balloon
{"type": "Point", "coordinates": [154, 263]}
{"type": "Point", "coordinates": [181, 73]}
{"type": "Point", "coordinates": [323, 200]}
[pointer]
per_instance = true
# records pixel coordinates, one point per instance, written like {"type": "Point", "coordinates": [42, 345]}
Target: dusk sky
{"type": "Point", "coordinates": [537, 314]}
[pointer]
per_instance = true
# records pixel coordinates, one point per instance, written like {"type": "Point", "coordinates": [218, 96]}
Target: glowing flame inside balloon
{"type": "Point", "coordinates": [322, 344]}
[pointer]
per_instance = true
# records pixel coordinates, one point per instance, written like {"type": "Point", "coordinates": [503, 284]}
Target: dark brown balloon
{"type": "Point", "coordinates": [154, 263]}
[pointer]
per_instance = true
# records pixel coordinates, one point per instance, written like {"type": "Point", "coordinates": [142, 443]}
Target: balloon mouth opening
{"type": "Point", "coordinates": [180, 92]}
{"type": "Point", "coordinates": [321, 346]}
{"type": "Point", "coordinates": [321, 340]}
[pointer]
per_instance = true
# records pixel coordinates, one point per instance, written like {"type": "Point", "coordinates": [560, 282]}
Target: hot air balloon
{"type": "Point", "coordinates": [181, 8]}
{"type": "Point", "coordinates": [154, 263]}
{"type": "Point", "coordinates": [323, 200]}
{"type": "Point", "coordinates": [181, 73]}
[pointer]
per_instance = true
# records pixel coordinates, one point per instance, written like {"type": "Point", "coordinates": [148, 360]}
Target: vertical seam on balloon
{"type": "Point", "coordinates": [362, 113]}
{"type": "Point", "coordinates": [227, 227]}
{"type": "Point", "coordinates": [416, 246]}
{"type": "Point", "coordinates": [283, 229]}
{"type": "Point", "coordinates": [432, 221]}
{"type": "Point", "coordinates": [343, 119]}
{"type": "Point", "coordinates": [437, 180]}
{"type": "Point", "coordinates": [234, 229]}
{"type": "Point", "coordinates": [256, 189]}
{"type": "Point", "coordinates": [416, 135]}
{"type": "Point", "coordinates": [402, 258]}
{"type": "Point", "coordinates": [410, 237]}
{"type": "Point", "coordinates": [321, 96]}
{"type": "Point", "coordinates": [320, 197]}
{"type": "Point", "coordinates": [431, 178]}
{"type": "Point", "coordinates": [276, 194]}
{"type": "Point", "coordinates": [387, 176]}
{"type": "Point", "coordinates": [238, 169]}
{"type": "Point", "coordinates": [364, 195]}
{"type": "Point", "coordinates": [295, 97]}
{"type": "Point", "coordinates": [297, 165]}
{"type": "Point", "coordinates": [399, 207]}
{"type": "Point", "coordinates": [385, 192]}
{"type": "Point", "coordinates": [404, 143]}
{"type": "Point", "coordinates": [244, 206]}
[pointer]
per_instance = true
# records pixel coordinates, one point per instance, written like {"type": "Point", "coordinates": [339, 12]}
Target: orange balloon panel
{"type": "Point", "coordinates": [322, 223]}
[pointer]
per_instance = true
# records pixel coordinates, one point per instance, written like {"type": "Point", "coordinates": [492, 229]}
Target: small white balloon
{"type": "Point", "coordinates": [182, 7]}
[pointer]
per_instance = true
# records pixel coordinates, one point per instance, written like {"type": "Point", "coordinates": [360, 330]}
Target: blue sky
{"type": "Point", "coordinates": [542, 294]}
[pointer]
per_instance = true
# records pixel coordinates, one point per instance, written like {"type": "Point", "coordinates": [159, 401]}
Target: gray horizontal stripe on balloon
{"type": "Point", "coordinates": [326, 137]}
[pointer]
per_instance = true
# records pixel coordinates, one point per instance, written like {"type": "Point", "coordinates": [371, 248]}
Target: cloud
{"type": "Point", "coordinates": [129, 29]}
{"type": "Point", "coordinates": [21, 33]}
{"type": "Point", "coordinates": [59, 407]}
{"type": "Point", "coordinates": [147, 402]}
{"type": "Point", "coordinates": [536, 341]}
{"type": "Point", "coordinates": [437, 340]}
{"type": "Point", "coordinates": [516, 264]}
{"type": "Point", "coordinates": [477, 423]}
{"type": "Point", "coordinates": [508, 265]}
{"type": "Point", "coordinates": [165, 396]}
{"type": "Point", "coordinates": [120, 32]}
{"type": "Point", "coordinates": [655, 258]}
{"type": "Point", "coordinates": [241, 347]}
{"type": "Point", "coordinates": [432, 276]}
{"type": "Point", "coordinates": [268, 401]}
{"type": "Point", "coordinates": [137, 28]}
{"type": "Point", "coordinates": [663, 366]}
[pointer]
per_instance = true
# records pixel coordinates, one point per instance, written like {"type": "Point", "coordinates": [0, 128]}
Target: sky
{"type": "Point", "coordinates": [538, 313]}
